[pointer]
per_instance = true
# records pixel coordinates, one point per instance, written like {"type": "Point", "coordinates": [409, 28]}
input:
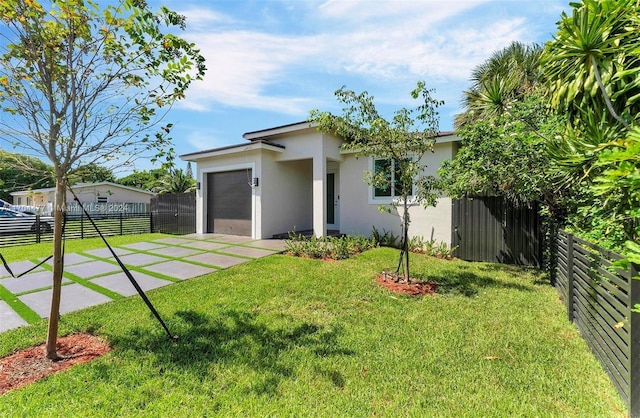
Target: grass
{"type": "Point", "coordinates": [284, 336]}
{"type": "Point", "coordinates": [39, 251]}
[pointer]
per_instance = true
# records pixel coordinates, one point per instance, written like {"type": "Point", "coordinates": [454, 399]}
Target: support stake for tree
{"type": "Point", "coordinates": [126, 271]}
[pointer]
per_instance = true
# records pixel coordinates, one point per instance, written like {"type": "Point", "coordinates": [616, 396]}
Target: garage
{"type": "Point", "coordinates": [229, 202]}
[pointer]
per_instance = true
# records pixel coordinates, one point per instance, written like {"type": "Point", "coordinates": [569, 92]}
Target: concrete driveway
{"type": "Point", "coordinates": [93, 277]}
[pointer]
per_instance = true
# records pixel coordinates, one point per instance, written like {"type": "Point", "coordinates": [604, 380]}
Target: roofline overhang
{"type": "Point", "coordinates": [444, 137]}
{"type": "Point", "coordinates": [278, 130]}
{"type": "Point", "coordinates": [233, 149]}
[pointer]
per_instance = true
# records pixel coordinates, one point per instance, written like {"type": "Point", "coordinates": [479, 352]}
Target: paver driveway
{"type": "Point", "coordinates": [93, 277]}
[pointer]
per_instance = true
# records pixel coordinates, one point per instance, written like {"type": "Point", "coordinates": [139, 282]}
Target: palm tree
{"type": "Point", "coordinates": [177, 181]}
{"type": "Point", "coordinates": [506, 76]}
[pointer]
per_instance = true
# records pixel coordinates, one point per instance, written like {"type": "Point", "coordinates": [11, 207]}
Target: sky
{"type": "Point", "coordinates": [270, 62]}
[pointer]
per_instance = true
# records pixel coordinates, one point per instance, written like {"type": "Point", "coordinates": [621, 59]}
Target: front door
{"type": "Point", "coordinates": [333, 201]}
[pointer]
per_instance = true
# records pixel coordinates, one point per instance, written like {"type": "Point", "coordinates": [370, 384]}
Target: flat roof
{"type": "Point", "coordinates": [263, 133]}
{"type": "Point", "coordinates": [261, 144]}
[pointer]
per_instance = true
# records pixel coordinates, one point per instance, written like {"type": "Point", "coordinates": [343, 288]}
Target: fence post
{"type": "Point", "coordinates": [121, 224]}
{"type": "Point", "coordinates": [82, 224]}
{"type": "Point", "coordinates": [570, 284]}
{"type": "Point", "coordinates": [634, 344]}
{"type": "Point", "coordinates": [38, 230]}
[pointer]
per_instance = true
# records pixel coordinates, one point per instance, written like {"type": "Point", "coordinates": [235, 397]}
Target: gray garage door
{"type": "Point", "coordinates": [229, 202]}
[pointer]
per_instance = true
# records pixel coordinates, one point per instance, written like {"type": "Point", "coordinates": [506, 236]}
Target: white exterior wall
{"type": "Point", "coordinates": [315, 147]}
{"type": "Point", "coordinates": [359, 212]}
{"type": "Point", "coordinates": [292, 188]}
{"type": "Point", "coordinates": [87, 194]}
{"type": "Point", "coordinates": [286, 196]}
{"type": "Point", "coordinates": [112, 193]}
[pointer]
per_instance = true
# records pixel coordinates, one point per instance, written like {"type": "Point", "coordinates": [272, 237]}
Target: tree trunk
{"type": "Point", "coordinates": [58, 268]}
{"type": "Point", "coordinates": [406, 240]}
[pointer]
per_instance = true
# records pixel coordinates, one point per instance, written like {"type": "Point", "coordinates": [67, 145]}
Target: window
{"type": "Point", "coordinates": [391, 171]}
{"type": "Point", "coordinates": [103, 199]}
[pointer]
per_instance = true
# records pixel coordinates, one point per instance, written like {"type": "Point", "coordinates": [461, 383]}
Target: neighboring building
{"type": "Point", "coordinates": [293, 176]}
{"type": "Point", "coordinates": [101, 193]}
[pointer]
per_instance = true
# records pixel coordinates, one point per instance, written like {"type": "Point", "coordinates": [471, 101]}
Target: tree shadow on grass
{"type": "Point", "coordinates": [233, 338]}
{"type": "Point", "coordinates": [540, 277]}
{"type": "Point", "coordinates": [460, 281]}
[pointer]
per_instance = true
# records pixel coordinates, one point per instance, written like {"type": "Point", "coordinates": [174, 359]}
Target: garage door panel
{"type": "Point", "coordinates": [229, 202]}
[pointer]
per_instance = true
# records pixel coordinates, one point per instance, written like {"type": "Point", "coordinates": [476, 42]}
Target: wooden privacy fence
{"type": "Point", "coordinates": [600, 303]}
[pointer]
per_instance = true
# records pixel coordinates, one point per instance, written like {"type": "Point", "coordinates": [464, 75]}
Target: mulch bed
{"type": "Point", "coordinates": [31, 364]}
{"type": "Point", "coordinates": [413, 287]}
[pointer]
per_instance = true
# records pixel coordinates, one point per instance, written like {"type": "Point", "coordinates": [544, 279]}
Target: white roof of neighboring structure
{"type": "Point", "coordinates": [83, 186]}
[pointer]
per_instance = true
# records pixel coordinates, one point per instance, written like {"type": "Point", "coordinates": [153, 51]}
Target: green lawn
{"type": "Point", "coordinates": [284, 336]}
{"type": "Point", "coordinates": [38, 251]}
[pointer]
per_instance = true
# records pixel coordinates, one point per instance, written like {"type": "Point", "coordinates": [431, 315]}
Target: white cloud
{"type": "Point", "coordinates": [424, 12]}
{"type": "Point", "coordinates": [202, 19]}
{"type": "Point", "coordinates": [388, 41]}
{"type": "Point", "coordinates": [241, 65]}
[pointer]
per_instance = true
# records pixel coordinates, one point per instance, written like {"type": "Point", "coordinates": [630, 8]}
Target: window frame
{"type": "Point", "coordinates": [377, 200]}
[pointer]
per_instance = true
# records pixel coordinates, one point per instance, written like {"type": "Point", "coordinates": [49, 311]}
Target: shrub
{"type": "Point", "coordinates": [336, 248]}
{"type": "Point", "coordinates": [384, 239]}
{"type": "Point", "coordinates": [431, 247]}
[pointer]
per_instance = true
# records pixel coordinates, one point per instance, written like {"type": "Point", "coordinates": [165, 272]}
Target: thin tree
{"type": "Point", "coordinates": [82, 83]}
{"type": "Point", "coordinates": [400, 143]}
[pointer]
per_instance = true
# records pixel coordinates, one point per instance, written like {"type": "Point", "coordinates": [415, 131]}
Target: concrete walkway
{"type": "Point", "coordinates": [93, 277]}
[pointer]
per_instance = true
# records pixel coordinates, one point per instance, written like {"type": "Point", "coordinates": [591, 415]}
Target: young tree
{"type": "Point", "coordinates": [82, 82]}
{"type": "Point", "coordinates": [401, 141]}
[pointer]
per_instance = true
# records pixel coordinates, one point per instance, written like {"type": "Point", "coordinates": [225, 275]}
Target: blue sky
{"type": "Point", "coordinates": [270, 62]}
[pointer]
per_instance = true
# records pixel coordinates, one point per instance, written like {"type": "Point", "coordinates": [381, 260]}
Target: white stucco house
{"type": "Point", "coordinates": [294, 176]}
